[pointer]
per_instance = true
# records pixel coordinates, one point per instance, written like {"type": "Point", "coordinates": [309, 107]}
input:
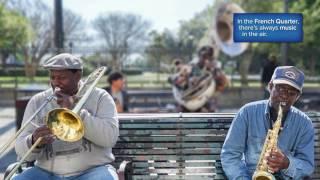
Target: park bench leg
{"type": "Point", "coordinates": [125, 170]}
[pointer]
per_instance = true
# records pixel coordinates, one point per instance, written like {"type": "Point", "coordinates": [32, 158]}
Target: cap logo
{"type": "Point", "coordinates": [290, 74]}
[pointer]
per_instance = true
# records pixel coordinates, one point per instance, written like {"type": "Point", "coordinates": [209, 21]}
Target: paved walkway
{"type": "Point", "coordinates": [7, 130]}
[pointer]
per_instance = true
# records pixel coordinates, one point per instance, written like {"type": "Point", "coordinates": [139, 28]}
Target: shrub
{"type": "Point", "coordinates": [132, 71]}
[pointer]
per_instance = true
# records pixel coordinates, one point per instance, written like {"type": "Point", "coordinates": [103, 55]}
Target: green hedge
{"type": "Point", "coordinates": [40, 72]}
{"type": "Point", "coordinates": [132, 71]}
{"type": "Point", "coordinates": [21, 72]}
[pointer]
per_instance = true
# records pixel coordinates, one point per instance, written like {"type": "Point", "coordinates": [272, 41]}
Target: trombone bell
{"type": "Point", "coordinates": [65, 124]}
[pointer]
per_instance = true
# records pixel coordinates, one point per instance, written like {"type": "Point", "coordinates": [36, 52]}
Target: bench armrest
{"type": "Point", "coordinates": [10, 168]}
{"type": "Point", "coordinates": [125, 169]}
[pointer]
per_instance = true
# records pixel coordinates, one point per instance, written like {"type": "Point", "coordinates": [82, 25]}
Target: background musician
{"type": "Point", "coordinates": [117, 90]}
{"type": "Point", "coordinates": [294, 156]}
{"type": "Point", "coordinates": [87, 158]}
{"type": "Point", "coordinates": [190, 75]}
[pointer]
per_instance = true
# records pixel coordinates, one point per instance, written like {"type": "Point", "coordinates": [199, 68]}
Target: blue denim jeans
{"type": "Point", "coordinates": [107, 172]}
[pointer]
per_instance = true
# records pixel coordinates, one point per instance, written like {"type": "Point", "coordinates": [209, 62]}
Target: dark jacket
{"type": "Point", "coordinates": [125, 98]}
{"type": "Point", "coordinates": [267, 71]}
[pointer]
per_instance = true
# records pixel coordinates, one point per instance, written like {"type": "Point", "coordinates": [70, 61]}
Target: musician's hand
{"type": "Point", "coordinates": [84, 114]}
{"type": "Point", "coordinates": [210, 65]}
{"type": "Point", "coordinates": [277, 161]}
{"type": "Point", "coordinates": [45, 133]}
{"type": "Point", "coordinates": [221, 82]}
{"type": "Point", "coordinates": [65, 100]}
{"type": "Point", "coordinates": [118, 106]}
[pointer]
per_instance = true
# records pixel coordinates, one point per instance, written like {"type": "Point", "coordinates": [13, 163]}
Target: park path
{"type": "Point", "coordinates": [7, 130]}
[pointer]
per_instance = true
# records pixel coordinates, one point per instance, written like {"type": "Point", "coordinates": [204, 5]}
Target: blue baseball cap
{"type": "Point", "coordinates": [288, 75]}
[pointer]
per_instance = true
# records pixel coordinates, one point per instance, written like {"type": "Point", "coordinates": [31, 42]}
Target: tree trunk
{"type": "Point", "coordinates": [2, 60]}
{"type": "Point", "coordinates": [4, 57]}
{"type": "Point", "coordinates": [30, 67]}
{"type": "Point", "coordinates": [30, 71]}
{"type": "Point", "coordinates": [244, 66]}
{"type": "Point", "coordinates": [312, 66]}
{"type": "Point", "coordinates": [115, 63]}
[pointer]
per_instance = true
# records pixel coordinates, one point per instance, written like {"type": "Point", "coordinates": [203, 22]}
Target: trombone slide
{"type": "Point", "coordinates": [24, 158]}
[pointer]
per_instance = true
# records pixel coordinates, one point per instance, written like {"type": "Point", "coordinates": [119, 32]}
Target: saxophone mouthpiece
{"type": "Point", "coordinates": [283, 104]}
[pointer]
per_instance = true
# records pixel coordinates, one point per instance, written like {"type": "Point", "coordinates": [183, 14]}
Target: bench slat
{"type": "Point", "coordinates": [211, 170]}
{"type": "Point", "coordinates": [143, 132]}
{"type": "Point", "coordinates": [149, 132]}
{"type": "Point", "coordinates": [178, 177]}
{"type": "Point", "coordinates": [177, 121]}
{"type": "Point", "coordinates": [173, 164]}
{"type": "Point", "coordinates": [161, 152]}
{"type": "Point", "coordinates": [147, 145]}
{"type": "Point", "coordinates": [166, 157]}
{"type": "Point", "coordinates": [173, 139]}
{"type": "Point", "coordinates": [175, 126]}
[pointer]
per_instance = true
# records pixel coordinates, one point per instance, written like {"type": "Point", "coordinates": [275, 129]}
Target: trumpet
{"type": "Point", "coordinates": [65, 124]}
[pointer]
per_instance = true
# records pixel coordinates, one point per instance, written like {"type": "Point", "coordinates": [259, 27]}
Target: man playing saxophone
{"type": "Point", "coordinates": [293, 157]}
{"type": "Point", "coordinates": [87, 158]}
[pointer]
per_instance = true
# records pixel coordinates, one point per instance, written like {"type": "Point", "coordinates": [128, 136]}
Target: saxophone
{"type": "Point", "coordinates": [271, 141]}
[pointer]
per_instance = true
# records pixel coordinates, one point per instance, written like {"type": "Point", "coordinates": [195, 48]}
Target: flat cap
{"type": "Point", "coordinates": [63, 61]}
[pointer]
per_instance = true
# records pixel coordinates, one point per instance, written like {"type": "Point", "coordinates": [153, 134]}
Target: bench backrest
{"type": "Point", "coordinates": [150, 100]}
{"type": "Point", "coordinates": [179, 146]}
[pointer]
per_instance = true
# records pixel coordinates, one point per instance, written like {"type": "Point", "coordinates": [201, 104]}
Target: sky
{"type": "Point", "coordinates": [161, 13]}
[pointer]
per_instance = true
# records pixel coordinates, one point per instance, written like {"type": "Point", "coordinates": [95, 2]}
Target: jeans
{"type": "Point", "coordinates": [107, 172]}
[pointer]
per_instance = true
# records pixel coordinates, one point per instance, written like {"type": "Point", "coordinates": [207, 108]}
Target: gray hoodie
{"type": "Point", "coordinates": [101, 128]}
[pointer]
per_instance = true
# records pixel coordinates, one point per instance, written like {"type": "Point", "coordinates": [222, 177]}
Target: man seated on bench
{"type": "Point", "coordinates": [87, 158]}
{"type": "Point", "coordinates": [292, 155]}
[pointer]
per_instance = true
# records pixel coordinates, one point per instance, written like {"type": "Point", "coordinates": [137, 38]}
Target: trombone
{"type": "Point", "coordinates": [6, 145]}
{"type": "Point", "coordinates": [65, 124]}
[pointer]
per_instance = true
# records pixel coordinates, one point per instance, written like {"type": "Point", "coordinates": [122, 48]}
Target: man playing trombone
{"type": "Point", "coordinates": [85, 157]}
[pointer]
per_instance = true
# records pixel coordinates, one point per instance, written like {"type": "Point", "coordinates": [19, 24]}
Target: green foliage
{"type": "Point", "coordinates": [261, 50]}
{"type": "Point", "coordinates": [305, 54]}
{"type": "Point", "coordinates": [167, 46]}
{"type": "Point", "coordinates": [268, 6]}
{"type": "Point", "coordinates": [21, 72]}
{"type": "Point", "coordinates": [132, 71]}
{"type": "Point", "coordinates": [39, 72]}
{"type": "Point", "coordinates": [14, 30]}
{"type": "Point", "coordinates": [163, 48]}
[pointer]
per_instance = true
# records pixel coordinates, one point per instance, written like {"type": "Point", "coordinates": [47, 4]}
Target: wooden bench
{"type": "Point", "coordinates": [178, 145]}
{"type": "Point", "coordinates": [172, 146]}
{"type": "Point", "coordinates": [309, 100]}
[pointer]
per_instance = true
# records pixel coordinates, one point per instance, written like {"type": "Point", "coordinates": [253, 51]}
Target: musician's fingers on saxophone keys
{"type": "Point", "coordinates": [270, 170]}
{"type": "Point", "coordinates": [274, 161]}
{"type": "Point", "coordinates": [273, 164]}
